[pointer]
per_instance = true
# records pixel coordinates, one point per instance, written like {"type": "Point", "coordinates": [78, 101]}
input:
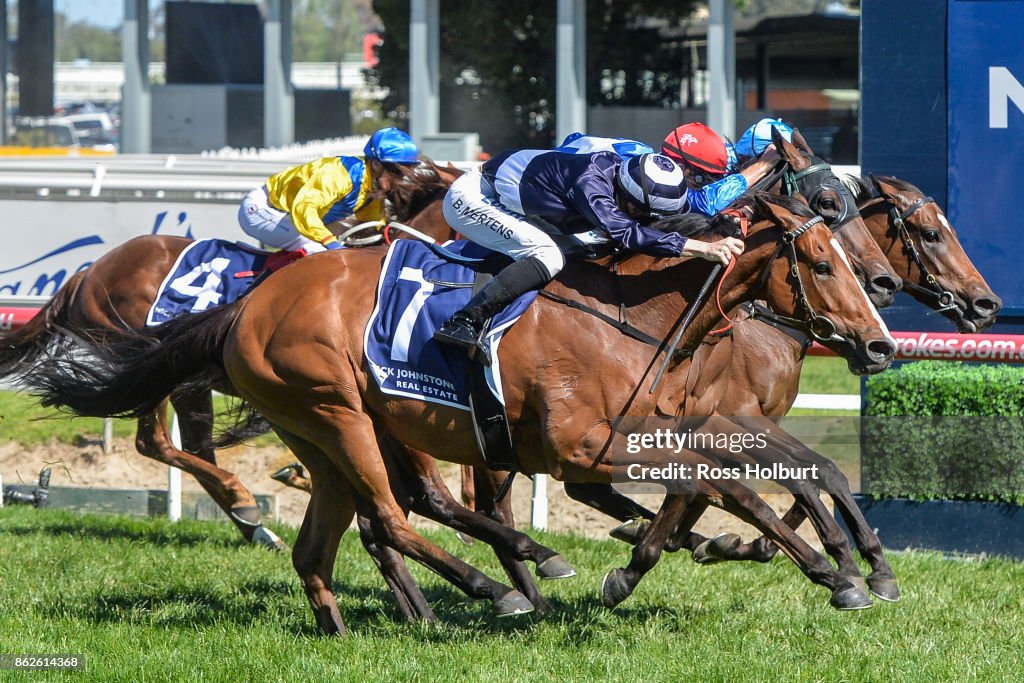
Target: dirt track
{"type": "Point", "coordinates": [87, 466]}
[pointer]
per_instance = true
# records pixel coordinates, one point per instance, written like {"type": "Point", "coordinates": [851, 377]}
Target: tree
{"type": "Point", "coordinates": [498, 63]}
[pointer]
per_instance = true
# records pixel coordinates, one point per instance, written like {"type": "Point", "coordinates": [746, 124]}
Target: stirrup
{"type": "Point", "coordinates": [458, 331]}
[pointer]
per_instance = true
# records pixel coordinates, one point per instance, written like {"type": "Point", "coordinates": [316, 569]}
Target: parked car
{"type": "Point", "coordinates": [94, 129]}
{"type": "Point", "coordinates": [52, 131]}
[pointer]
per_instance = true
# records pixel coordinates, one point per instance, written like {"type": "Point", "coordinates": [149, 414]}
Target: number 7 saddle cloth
{"type": "Point", "coordinates": [418, 290]}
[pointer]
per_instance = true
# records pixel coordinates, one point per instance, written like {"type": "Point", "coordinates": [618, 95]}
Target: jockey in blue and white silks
{"type": "Point", "coordinates": [537, 206]}
{"type": "Point", "coordinates": [756, 139]}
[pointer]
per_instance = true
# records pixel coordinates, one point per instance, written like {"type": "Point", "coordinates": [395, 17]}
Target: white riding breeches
{"type": "Point", "coordinates": [473, 208]}
{"type": "Point", "coordinates": [270, 226]}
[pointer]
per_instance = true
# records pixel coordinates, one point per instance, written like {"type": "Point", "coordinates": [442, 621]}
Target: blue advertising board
{"type": "Point", "coordinates": [985, 101]}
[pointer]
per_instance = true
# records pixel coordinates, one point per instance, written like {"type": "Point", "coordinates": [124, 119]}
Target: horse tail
{"type": "Point", "coordinates": [25, 345]}
{"type": "Point", "coordinates": [130, 373]}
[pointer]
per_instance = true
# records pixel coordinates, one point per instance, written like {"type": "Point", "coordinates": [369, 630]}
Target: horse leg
{"type": "Point", "coordinates": [748, 506]}
{"type": "Point", "coordinates": [411, 601]}
{"type": "Point", "coordinates": [195, 422]}
{"type": "Point", "coordinates": [619, 584]}
{"type": "Point", "coordinates": [604, 498]}
{"type": "Point", "coordinates": [353, 446]}
{"type": "Point", "coordinates": [330, 511]}
{"type": "Point", "coordinates": [153, 440]}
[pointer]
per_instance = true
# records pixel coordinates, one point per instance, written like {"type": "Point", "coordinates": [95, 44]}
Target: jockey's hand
{"type": "Point", "coordinates": [721, 251]}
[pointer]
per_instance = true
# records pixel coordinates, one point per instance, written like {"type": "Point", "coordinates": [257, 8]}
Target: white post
{"type": "Point", "coordinates": [135, 107]}
{"type": "Point", "coordinates": [174, 477]}
{"type": "Point", "coordinates": [424, 68]}
{"type": "Point", "coordinates": [539, 506]}
{"type": "Point", "coordinates": [570, 68]}
{"type": "Point", "coordinates": [722, 67]}
{"type": "Point", "coordinates": [108, 435]}
{"type": "Point", "coordinates": [278, 95]}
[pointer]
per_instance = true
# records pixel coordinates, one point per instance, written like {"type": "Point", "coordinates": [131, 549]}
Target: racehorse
{"type": "Point", "coordinates": [307, 375]}
{"type": "Point", "coordinates": [116, 292]}
{"type": "Point", "coordinates": [755, 371]}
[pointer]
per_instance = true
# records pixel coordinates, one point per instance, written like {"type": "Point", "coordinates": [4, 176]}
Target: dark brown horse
{"type": "Point", "coordinates": [116, 292]}
{"type": "Point", "coordinates": [307, 375]}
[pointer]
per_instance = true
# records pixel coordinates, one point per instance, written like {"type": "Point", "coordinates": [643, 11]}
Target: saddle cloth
{"type": "Point", "coordinates": [416, 293]}
{"type": "Point", "coordinates": [211, 272]}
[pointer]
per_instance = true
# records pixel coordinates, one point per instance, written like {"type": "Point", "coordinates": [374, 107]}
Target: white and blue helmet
{"type": "Point", "coordinates": [654, 182]}
{"type": "Point", "coordinates": [756, 138]}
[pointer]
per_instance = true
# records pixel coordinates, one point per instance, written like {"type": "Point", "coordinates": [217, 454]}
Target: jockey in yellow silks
{"type": "Point", "coordinates": [292, 209]}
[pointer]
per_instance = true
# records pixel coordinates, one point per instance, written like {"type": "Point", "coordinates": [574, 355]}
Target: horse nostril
{"type": "Point", "coordinates": [885, 283]}
{"type": "Point", "coordinates": [987, 305]}
{"type": "Point", "coordinates": [881, 349]}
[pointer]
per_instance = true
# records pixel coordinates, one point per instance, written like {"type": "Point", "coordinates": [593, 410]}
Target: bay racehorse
{"type": "Point", "coordinates": [755, 371]}
{"type": "Point", "coordinates": [116, 292]}
{"type": "Point", "coordinates": [307, 375]}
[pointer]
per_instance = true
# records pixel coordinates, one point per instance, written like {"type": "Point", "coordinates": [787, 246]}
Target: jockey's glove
{"type": "Point", "coordinates": [331, 243]}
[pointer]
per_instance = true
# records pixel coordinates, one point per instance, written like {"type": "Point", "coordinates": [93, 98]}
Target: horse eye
{"type": "Point", "coordinates": [930, 235]}
{"type": "Point", "coordinates": [823, 268]}
{"type": "Point", "coordinates": [828, 203]}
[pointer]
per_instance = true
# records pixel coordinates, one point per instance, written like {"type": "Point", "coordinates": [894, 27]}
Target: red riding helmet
{"type": "Point", "coordinates": [697, 145]}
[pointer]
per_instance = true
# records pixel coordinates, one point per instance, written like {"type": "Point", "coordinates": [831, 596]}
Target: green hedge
{"type": "Point", "coordinates": [938, 430]}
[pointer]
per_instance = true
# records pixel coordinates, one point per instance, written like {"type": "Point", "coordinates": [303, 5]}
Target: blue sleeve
{"type": "Point", "coordinates": [593, 195]}
{"type": "Point", "coordinates": [712, 198]}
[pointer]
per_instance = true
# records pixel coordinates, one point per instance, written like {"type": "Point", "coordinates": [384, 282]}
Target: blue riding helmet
{"type": "Point", "coordinates": [756, 138]}
{"type": "Point", "coordinates": [391, 145]}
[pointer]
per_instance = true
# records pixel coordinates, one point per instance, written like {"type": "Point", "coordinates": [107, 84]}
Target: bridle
{"type": "Point", "coordinates": [814, 324]}
{"type": "Point", "coordinates": [794, 182]}
{"type": "Point", "coordinates": [943, 297]}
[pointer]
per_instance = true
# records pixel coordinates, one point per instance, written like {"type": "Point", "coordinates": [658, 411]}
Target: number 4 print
{"type": "Point", "coordinates": [206, 294]}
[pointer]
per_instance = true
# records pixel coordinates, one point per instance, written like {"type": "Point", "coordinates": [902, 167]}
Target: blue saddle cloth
{"type": "Point", "coordinates": [208, 273]}
{"type": "Point", "coordinates": [415, 296]}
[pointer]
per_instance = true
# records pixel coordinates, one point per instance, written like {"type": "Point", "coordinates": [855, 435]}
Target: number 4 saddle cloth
{"type": "Point", "coordinates": [418, 290]}
{"type": "Point", "coordinates": [210, 273]}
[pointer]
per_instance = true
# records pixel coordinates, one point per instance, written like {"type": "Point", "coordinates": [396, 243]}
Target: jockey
{"type": "Point", "coordinates": [758, 137]}
{"type": "Point", "coordinates": [291, 210]}
{"type": "Point", "coordinates": [539, 207]}
{"type": "Point", "coordinates": [709, 163]}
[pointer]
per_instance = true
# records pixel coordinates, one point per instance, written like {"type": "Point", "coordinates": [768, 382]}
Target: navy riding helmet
{"type": "Point", "coordinates": [391, 145]}
{"type": "Point", "coordinates": [654, 182]}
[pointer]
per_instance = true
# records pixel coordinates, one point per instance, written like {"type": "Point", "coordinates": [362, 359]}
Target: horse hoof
{"type": "Point", "coordinates": [717, 549]}
{"type": "Point", "coordinates": [512, 604]}
{"type": "Point", "coordinates": [614, 588]}
{"type": "Point", "coordinates": [288, 472]}
{"type": "Point", "coordinates": [630, 532]}
{"type": "Point", "coordinates": [858, 581]}
{"type": "Point", "coordinates": [884, 589]}
{"type": "Point", "coordinates": [466, 540]}
{"type": "Point", "coordinates": [555, 567]}
{"type": "Point", "coordinates": [850, 598]}
{"type": "Point", "coordinates": [266, 538]}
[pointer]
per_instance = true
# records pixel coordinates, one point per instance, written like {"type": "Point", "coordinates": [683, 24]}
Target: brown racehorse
{"type": "Point", "coordinates": [307, 375]}
{"type": "Point", "coordinates": [923, 248]}
{"type": "Point", "coordinates": [117, 291]}
{"type": "Point", "coordinates": [755, 370]}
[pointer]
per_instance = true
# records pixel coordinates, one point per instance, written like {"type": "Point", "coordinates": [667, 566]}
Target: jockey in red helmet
{"type": "Point", "coordinates": [709, 164]}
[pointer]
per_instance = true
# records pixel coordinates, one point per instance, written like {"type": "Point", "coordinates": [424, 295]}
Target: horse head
{"type": "Point", "coordinates": [918, 239]}
{"type": "Point", "coordinates": [794, 262]}
{"type": "Point", "coordinates": [812, 177]}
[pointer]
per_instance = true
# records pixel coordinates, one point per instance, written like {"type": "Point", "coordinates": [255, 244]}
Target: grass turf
{"type": "Point", "coordinates": [152, 600]}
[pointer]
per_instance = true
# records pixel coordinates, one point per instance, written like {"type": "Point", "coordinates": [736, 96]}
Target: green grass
{"type": "Point", "coordinates": [150, 600]}
{"type": "Point", "coordinates": [23, 420]}
{"type": "Point", "coordinates": [822, 375]}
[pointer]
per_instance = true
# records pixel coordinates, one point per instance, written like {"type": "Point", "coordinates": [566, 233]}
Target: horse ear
{"type": "Point", "coordinates": [884, 188]}
{"type": "Point", "coordinates": [765, 208]}
{"type": "Point", "coordinates": [787, 150]}
{"type": "Point", "coordinates": [799, 141]}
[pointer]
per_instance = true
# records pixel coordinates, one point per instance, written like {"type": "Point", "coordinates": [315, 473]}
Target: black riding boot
{"type": "Point", "coordinates": [465, 326]}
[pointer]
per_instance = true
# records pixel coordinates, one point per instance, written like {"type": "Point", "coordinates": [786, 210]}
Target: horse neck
{"type": "Point", "coordinates": [654, 292]}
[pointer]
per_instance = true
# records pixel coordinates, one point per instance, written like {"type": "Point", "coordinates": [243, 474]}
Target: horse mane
{"type": "Point", "coordinates": [863, 189]}
{"type": "Point", "coordinates": [685, 224]}
{"type": "Point", "coordinates": [415, 187]}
